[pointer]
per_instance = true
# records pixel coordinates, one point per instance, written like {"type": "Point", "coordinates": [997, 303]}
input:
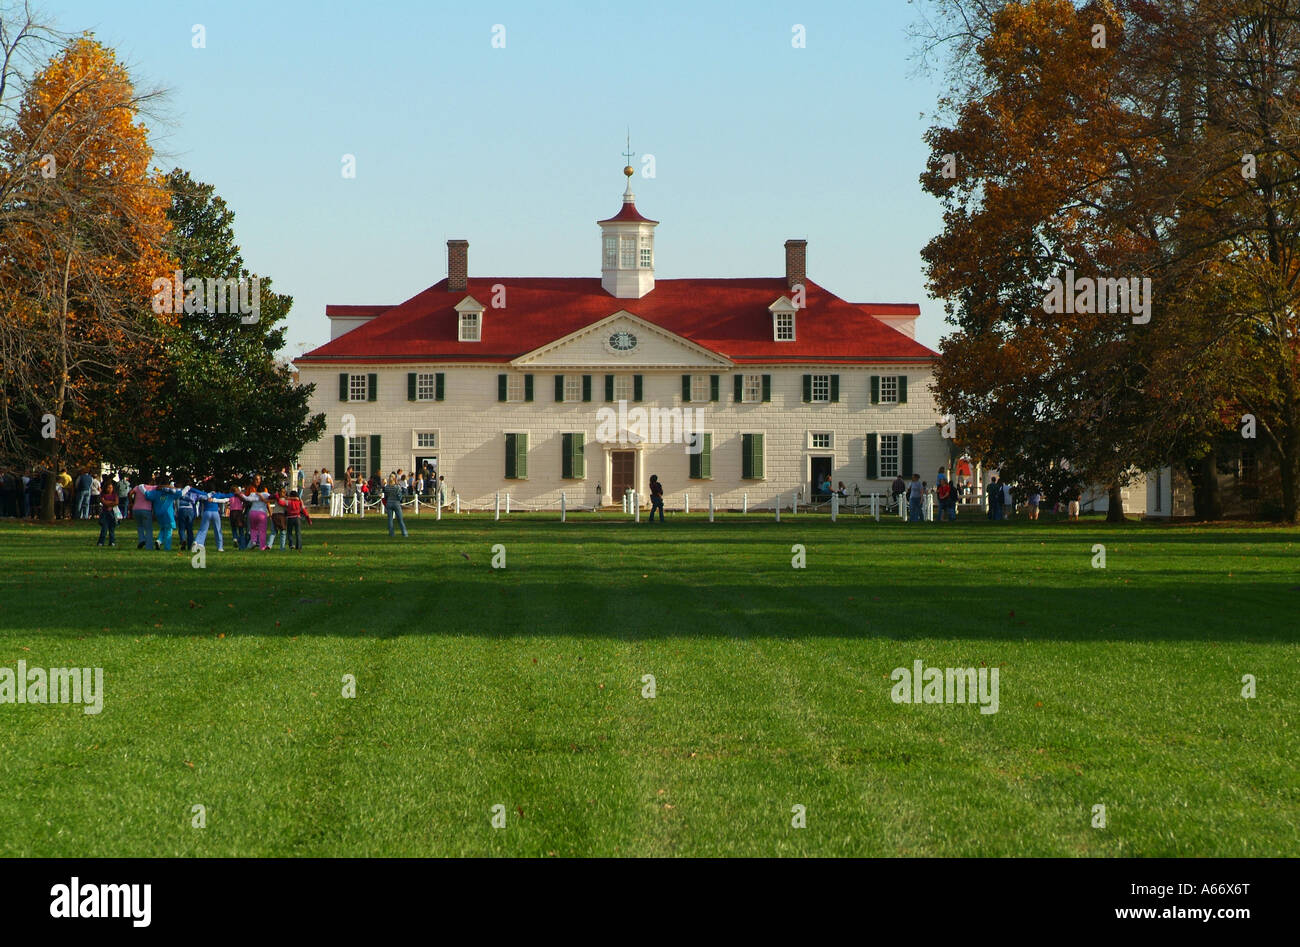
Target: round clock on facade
{"type": "Point", "coordinates": [622, 341]}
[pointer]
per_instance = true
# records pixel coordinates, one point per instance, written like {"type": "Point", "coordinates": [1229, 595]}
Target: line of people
{"type": "Point", "coordinates": [257, 514]}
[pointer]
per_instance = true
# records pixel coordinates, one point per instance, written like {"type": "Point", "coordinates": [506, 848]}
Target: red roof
{"type": "Point", "coordinates": [728, 316]}
{"type": "Point", "coordinates": [628, 212]}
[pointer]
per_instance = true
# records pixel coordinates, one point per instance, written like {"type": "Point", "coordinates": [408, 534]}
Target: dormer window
{"type": "Point", "coordinates": [470, 320]}
{"type": "Point", "coordinates": [783, 313]}
{"type": "Point", "coordinates": [471, 330]}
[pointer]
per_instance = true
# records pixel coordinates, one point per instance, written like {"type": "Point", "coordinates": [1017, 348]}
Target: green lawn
{"type": "Point", "coordinates": [523, 687]}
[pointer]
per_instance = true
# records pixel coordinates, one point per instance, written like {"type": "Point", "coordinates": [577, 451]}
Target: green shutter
{"type": "Point", "coordinates": [835, 388]}
{"type": "Point", "coordinates": [510, 456]}
{"type": "Point", "coordinates": [340, 454]}
{"type": "Point", "coordinates": [374, 387]}
{"type": "Point", "coordinates": [521, 456]}
{"type": "Point", "coordinates": [343, 386]}
{"type": "Point", "coordinates": [873, 457]}
{"type": "Point", "coordinates": [376, 463]}
{"type": "Point", "coordinates": [566, 456]}
{"type": "Point", "coordinates": [907, 455]}
{"type": "Point", "coordinates": [528, 387]}
{"type": "Point", "coordinates": [586, 387]}
{"type": "Point", "coordinates": [559, 387]}
{"type": "Point", "coordinates": [410, 386]}
{"type": "Point", "coordinates": [739, 387]}
{"type": "Point", "coordinates": [501, 388]}
{"type": "Point", "coordinates": [439, 389]}
{"type": "Point", "coordinates": [875, 389]}
{"type": "Point", "coordinates": [637, 388]}
{"type": "Point", "coordinates": [702, 463]}
{"type": "Point", "coordinates": [609, 387]}
{"type": "Point", "coordinates": [714, 385]}
{"type": "Point", "coordinates": [807, 388]}
{"type": "Point", "coordinates": [902, 389]}
{"type": "Point", "coordinates": [686, 388]}
{"type": "Point", "coordinates": [767, 387]}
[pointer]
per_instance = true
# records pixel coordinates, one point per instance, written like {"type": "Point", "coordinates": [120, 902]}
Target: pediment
{"type": "Point", "coordinates": [623, 340]}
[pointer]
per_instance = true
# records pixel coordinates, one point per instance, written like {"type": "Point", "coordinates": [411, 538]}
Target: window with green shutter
{"type": "Point", "coordinates": [767, 387]}
{"type": "Point", "coordinates": [439, 387]}
{"type": "Point", "coordinates": [739, 388]}
{"type": "Point", "coordinates": [875, 389]}
{"type": "Point", "coordinates": [586, 387]}
{"type": "Point", "coordinates": [516, 456]}
{"type": "Point", "coordinates": [340, 454]}
{"type": "Point", "coordinates": [528, 387]}
{"type": "Point", "coordinates": [502, 383]}
{"type": "Point", "coordinates": [902, 389]}
{"type": "Point", "coordinates": [807, 388]}
{"type": "Point", "coordinates": [638, 388]}
{"type": "Point", "coordinates": [375, 463]}
{"type": "Point", "coordinates": [410, 386]}
{"type": "Point", "coordinates": [835, 388]}
{"type": "Point", "coordinates": [751, 463]}
{"type": "Point", "coordinates": [873, 457]}
{"type": "Point", "coordinates": [559, 387]}
{"type": "Point", "coordinates": [686, 388]}
{"type": "Point", "coordinates": [907, 455]}
{"type": "Point", "coordinates": [702, 462]}
{"type": "Point", "coordinates": [574, 462]}
{"type": "Point", "coordinates": [715, 383]}
{"type": "Point", "coordinates": [374, 388]}
{"type": "Point", "coordinates": [609, 387]}
{"type": "Point", "coordinates": [343, 386]}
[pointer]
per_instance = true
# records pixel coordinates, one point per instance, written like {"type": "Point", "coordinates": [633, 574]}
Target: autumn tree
{"type": "Point", "coordinates": [82, 224]}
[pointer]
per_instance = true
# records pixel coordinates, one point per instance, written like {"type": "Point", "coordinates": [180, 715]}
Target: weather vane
{"type": "Point", "coordinates": [628, 154]}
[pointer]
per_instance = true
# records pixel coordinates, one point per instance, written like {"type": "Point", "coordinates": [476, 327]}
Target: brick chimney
{"type": "Point", "coordinates": [457, 265]}
{"type": "Point", "coordinates": [796, 262]}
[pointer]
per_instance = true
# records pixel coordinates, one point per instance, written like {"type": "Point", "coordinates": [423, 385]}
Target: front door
{"type": "Point", "coordinates": [622, 473]}
{"type": "Point", "coordinates": [820, 469]}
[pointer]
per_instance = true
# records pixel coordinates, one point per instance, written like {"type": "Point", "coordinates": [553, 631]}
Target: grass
{"type": "Point", "coordinates": [523, 687]}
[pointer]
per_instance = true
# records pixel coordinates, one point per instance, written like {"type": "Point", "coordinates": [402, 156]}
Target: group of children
{"type": "Point", "coordinates": [257, 514]}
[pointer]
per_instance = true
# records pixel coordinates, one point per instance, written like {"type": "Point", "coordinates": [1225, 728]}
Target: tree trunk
{"type": "Point", "coordinates": [1207, 497]}
{"type": "Point", "coordinates": [1115, 504]}
{"type": "Point", "coordinates": [47, 498]}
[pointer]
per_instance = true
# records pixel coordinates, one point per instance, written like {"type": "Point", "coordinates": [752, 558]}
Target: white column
{"type": "Point", "coordinates": [497, 516]}
{"type": "Point", "coordinates": [744, 503]}
{"type": "Point", "coordinates": [437, 511]}
{"type": "Point", "coordinates": [507, 503]}
{"type": "Point", "coordinates": [686, 502]}
{"type": "Point", "coordinates": [417, 504]}
{"type": "Point", "coordinates": [636, 505]}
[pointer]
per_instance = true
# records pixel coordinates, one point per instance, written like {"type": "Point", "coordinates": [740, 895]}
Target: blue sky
{"type": "Point", "coordinates": [518, 149]}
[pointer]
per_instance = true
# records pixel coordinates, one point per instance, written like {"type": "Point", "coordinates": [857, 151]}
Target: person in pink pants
{"type": "Point", "coordinates": [258, 510]}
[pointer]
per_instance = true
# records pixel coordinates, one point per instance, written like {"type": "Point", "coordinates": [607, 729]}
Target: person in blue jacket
{"type": "Point", "coordinates": [164, 511]}
{"type": "Point", "coordinates": [210, 517]}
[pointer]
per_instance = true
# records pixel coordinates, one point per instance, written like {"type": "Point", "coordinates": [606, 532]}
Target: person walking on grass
{"type": "Point", "coordinates": [210, 518]}
{"type": "Point", "coordinates": [258, 512]}
{"type": "Point", "coordinates": [915, 494]}
{"type": "Point", "coordinates": [141, 511]}
{"type": "Point", "coordinates": [108, 513]}
{"type": "Point", "coordinates": [656, 499]}
{"type": "Point", "coordinates": [294, 513]}
{"type": "Point", "coordinates": [163, 500]}
{"type": "Point", "coordinates": [393, 504]}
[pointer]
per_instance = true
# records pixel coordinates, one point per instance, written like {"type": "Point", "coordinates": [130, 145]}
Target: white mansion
{"type": "Point", "coordinates": [534, 386]}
